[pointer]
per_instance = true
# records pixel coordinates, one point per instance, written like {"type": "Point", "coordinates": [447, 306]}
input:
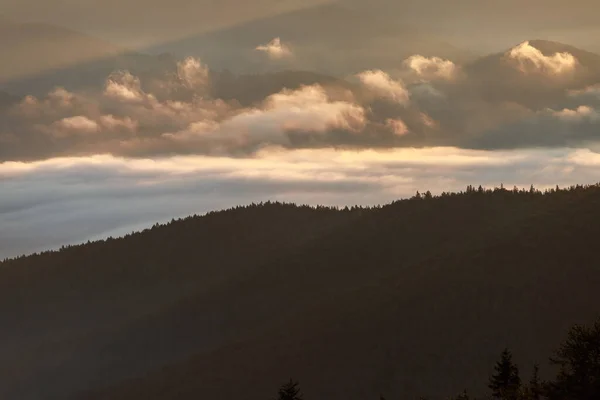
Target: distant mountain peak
{"type": "Point", "coordinates": [550, 47]}
{"type": "Point", "coordinates": [39, 47]}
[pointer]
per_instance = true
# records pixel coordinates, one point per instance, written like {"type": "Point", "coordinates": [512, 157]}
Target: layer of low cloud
{"type": "Point", "coordinates": [426, 101]}
{"type": "Point", "coordinates": [566, 127]}
{"type": "Point", "coordinates": [135, 151]}
{"type": "Point", "coordinates": [45, 204]}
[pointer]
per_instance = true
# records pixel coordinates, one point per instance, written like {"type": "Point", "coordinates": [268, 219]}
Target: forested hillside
{"type": "Point", "coordinates": [415, 298]}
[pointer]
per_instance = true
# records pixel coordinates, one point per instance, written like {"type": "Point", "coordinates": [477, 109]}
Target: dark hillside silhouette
{"type": "Point", "coordinates": [413, 298]}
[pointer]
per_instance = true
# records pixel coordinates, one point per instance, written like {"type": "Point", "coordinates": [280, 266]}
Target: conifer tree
{"type": "Point", "coordinates": [289, 391]}
{"type": "Point", "coordinates": [505, 383]}
{"type": "Point", "coordinates": [534, 389]}
{"type": "Point", "coordinates": [578, 359]}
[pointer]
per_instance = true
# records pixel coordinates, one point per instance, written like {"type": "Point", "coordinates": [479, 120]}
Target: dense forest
{"type": "Point", "coordinates": [415, 298]}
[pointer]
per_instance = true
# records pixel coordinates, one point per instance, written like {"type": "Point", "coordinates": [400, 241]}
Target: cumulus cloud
{"type": "Point", "coordinates": [567, 127]}
{"type": "Point", "coordinates": [58, 102]}
{"type": "Point", "coordinates": [428, 121]}
{"type": "Point", "coordinates": [179, 113]}
{"type": "Point", "coordinates": [587, 96]}
{"type": "Point", "coordinates": [578, 114]}
{"type": "Point", "coordinates": [111, 122]}
{"type": "Point", "coordinates": [308, 109]}
{"type": "Point", "coordinates": [124, 86]}
{"type": "Point", "coordinates": [430, 68]}
{"type": "Point", "coordinates": [593, 90]}
{"type": "Point", "coordinates": [103, 195]}
{"type": "Point", "coordinates": [397, 126]}
{"type": "Point", "coordinates": [193, 73]}
{"type": "Point", "coordinates": [529, 59]}
{"type": "Point", "coordinates": [78, 125]}
{"type": "Point", "coordinates": [381, 84]}
{"type": "Point", "coordinates": [275, 49]}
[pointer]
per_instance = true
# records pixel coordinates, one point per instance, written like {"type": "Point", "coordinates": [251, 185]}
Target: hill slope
{"type": "Point", "coordinates": [32, 48]}
{"type": "Point", "coordinates": [340, 41]}
{"type": "Point", "coordinates": [415, 298]}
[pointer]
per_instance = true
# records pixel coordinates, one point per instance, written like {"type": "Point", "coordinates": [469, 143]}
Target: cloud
{"type": "Point", "coordinates": [529, 59]}
{"type": "Point", "coordinates": [307, 109]}
{"type": "Point", "coordinates": [587, 96]}
{"type": "Point", "coordinates": [275, 49]}
{"type": "Point", "coordinates": [428, 121]}
{"type": "Point", "coordinates": [397, 126]}
{"type": "Point", "coordinates": [79, 125]}
{"type": "Point", "coordinates": [593, 90]}
{"type": "Point", "coordinates": [124, 86]}
{"type": "Point", "coordinates": [58, 102]}
{"type": "Point", "coordinates": [193, 73]}
{"type": "Point", "coordinates": [567, 127]}
{"type": "Point", "coordinates": [103, 195]}
{"type": "Point", "coordinates": [384, 86]}
{"type": "Point", "coordinates": [178, 112]}
{"type": "Point", "coordinates": [578, 114]}
{"type": "Point", "coordinates": [111, 122]}
{"type": "Point", "coordinates": [431, 68]}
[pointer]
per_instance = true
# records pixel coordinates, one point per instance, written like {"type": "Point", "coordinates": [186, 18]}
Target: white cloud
{"type": "Point", "coordinates": [61, 97]}
{"type": "Point", "coordinates": [100, 195]}
{"type": "Point", "coordinates": [275, 49]}
{"type": "Point", "coordinates": [578, 114]}
{"type": "Point", "coordinates": [193, 73]}
{"type": "Point", "coordinates": [397, 126]}
{"type": "Point", "coordinates": [307, 109]}
{"type": "Point", "coordinates": [110, 122]}
{"type": "Point", "coordinates": [529, 59]}
{"type": "Point", "coordinates": [125, 87]}
{"type": "Point", "coordinates": [384, 86]}
{"type": "Point", "coordinates": [587, 95]}
{"type": "Point", "coordinates": [78, 125]}
{"type": "Point", "coordinates": [430, 68]}
{"type": "Point", "coordinates": [428, 121]}
{"type": "Point", "coordinates": [58, 102]}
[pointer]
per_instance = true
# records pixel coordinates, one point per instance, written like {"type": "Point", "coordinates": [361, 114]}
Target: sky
{"type": "Point", "coordinates": [376, 101]}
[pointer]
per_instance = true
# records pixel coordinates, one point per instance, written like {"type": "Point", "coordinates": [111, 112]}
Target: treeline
{"type": "Point", "coordinates": [425, 292]}
{"type": "Point", "coordinates": [471, 191]}
{"type": "Point", "coordinates": [576, 362]}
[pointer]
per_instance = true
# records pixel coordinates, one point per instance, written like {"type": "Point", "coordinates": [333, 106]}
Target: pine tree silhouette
{"type": "Point", "coordinates": [578, 359]}
{"type": "Point", "coordinates": [289, 391]}
{"type": "Point", "coordinates": [534, 389]}
{"type": "Point", "coordinates": [505, 383]}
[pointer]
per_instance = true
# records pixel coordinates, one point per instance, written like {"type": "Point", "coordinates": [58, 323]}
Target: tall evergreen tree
{"type": "Point", "coordinates": [289, 391]}
{"type": "Point", "coordinates": [505, 383]}
{"type": "Point", "coordinates": [534, 389]}
{"type": "Point", "coordinates": [578, 359]}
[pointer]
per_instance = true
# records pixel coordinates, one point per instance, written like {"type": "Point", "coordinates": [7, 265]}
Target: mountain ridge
{"type": "Point", "coordinates": [292, 291]}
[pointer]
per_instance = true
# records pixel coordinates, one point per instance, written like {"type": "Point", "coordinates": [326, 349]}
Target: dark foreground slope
{"type": "Point", "coordinates": [415, 298]}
